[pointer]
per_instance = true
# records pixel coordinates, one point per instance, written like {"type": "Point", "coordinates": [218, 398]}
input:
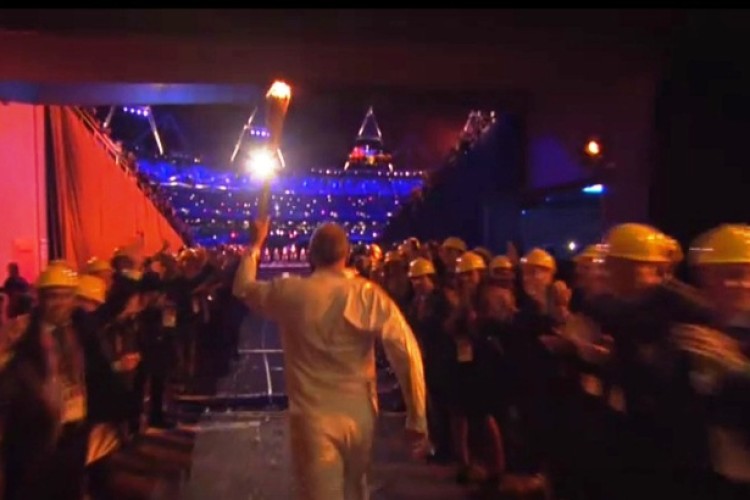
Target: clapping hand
{"type": "Point", "coordinates": [711, 345]}
{"type": "Point", "coordinates": [130, 362]}
{"type": "Point", "coordinates": [559, 301]}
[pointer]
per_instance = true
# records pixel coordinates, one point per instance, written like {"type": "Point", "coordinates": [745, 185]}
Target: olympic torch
{"type": "Point", "coordinates": [264, 162]}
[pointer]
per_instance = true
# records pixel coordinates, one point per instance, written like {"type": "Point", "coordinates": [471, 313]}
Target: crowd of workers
{"type": "Point", "coordinates": [624, 383]}
{"type": "Point", "coordinates": [87, 359]}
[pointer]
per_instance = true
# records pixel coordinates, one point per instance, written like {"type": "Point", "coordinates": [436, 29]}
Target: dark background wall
{"type": "Point", "coordinates": [476, 196]}
{"type": "Point", "coordinates": [702, 115]}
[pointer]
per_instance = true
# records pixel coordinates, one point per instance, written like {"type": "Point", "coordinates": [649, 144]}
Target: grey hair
{"type": "Point", "coordinates": [329, 244]}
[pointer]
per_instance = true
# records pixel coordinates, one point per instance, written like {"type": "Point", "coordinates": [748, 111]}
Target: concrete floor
{"type": "Point", "coordinates": [245, 455]}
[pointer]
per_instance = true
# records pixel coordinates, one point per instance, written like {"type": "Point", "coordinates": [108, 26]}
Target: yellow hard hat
{"type": "Point", "coordinates": [413, 242]}
{"type": "Point", "coordinates": [470, 261]}
{"type": "Point", "coordinates": [501, 262]}
{"type": "Point", "coordinates": [420, 267]}
{"type": "Point", "coordinates": [97, 265]}
{"type": "Point", "coordinates": [726, 244]}
{"type": "Point", "coordinates": [122, 252]}
{"type": "Point", "coordinates": [57, 275]}
{"type": "Point", "coordinates": [132, 274]}
{"type": "Point", "coordinates": [187, 254]}
{"type": "Point", "coordinates": [92, 288]}
{"type": "Point", "coordinates": [376, 252]}
{"type": "Point", "coordinates": [455, 244]}
{"type": "Point", "coordinates": [591, 252]}
{"type": "Point", "coordinates": [392, 256]}
{"type": "Point", "coordinates": [484, 253]}
{"type": "Point", "coordinates": [540, 258]}
{"type": "Point", "coordinates": [639, 242]}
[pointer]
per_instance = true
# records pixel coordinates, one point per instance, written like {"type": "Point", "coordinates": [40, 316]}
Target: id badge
{"type": "Point", "coordinates": [169, 318]}
{"type": "Point", "coordinates": [74, 406]}
{"type": "Point", "coordinates": [592, 385]}
{"type": "Point", "coordinates": [465, 351]}
{"type": "Point", "coordinates": [616, 399]}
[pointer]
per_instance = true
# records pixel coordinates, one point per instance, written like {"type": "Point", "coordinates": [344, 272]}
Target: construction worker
{"type": "Point", "coordinates": [395, 280]}
{"type": "Point", "coordinates": [590, 276]}
{"type": "Point", "coordinates": [538, 270]}
{"type": "Point", "coordinates": [91, 292]}
{"type": "Point", "coordinates": [156, 325]}
{"type": "Point", "coordinates": [657, 427]}
{"type": "Point", "coordinates": [329, 322]}
{"type": "Point", "coordinates": [541, 297]}
{"type": "Point", "coordinates": [588, 424]}
{"type": "Point", "coordinates": [471, 270]}
{"type": "Point", "coordinates": [104, 437]}
{"type": "Point", "coordinates": [409, 249]}
{"type": "Point", "coordinates": [472, 368]}
{"type": "Point", "coordinates": [192, 311]}
{"type": "Point", "coordinates": [101, 269]}
{"type": "Point", "coordinates": [426, 314]}
{"type": "Point", "coordinates": [501, 272]}
{"type": "Point", "coordinates": [450, 250]}
{"type": "Point", "coordinates": [721, 357]}
{"type": "Point", "coordinates": [543, 305]}
{"type": "Point", "coordinates": [55, 385]}
{"type": "Point", "coordinates": [422, 277]}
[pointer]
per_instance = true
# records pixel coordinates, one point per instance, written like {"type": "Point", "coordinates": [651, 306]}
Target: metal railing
{"type": "Point", "coordinates": [123, 159]}
{"type": "Point", "coordinates": [115, 151]}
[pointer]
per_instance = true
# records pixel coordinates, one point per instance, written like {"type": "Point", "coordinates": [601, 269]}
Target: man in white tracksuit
{"type": "Point", "coordinates": [329, 322]}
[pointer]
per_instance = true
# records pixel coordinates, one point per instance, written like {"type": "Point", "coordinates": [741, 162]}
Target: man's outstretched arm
{"type": "Point", "coordinates": [405, 357]}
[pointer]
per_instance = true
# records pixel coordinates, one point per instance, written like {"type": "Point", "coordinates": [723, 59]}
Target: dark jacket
{"type": "Point", "coordinates": [663, 412]}
{"type": "Point", "coordinates": [27, 425]}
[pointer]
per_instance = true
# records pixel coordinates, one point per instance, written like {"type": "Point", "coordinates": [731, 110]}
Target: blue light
{"type": "Point", "coordinates": [138, 111]}
{"type": "Point", "coordinates": [213, 203]}
{"type": "Point", "coordinates": [259, 132]}
{"type": "Point", "coordinates": [593, 189]}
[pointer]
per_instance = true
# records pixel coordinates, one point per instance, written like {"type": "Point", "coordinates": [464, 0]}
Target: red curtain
{"type": "Point", "coordinates": [99, 204]}
{"type": "Point", "coordinates": [23, 221]}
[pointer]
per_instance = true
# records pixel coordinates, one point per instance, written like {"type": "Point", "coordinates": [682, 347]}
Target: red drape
{"type": "Point", "coordinates": [100, 205]}
{"type": "Point", "coordinates": [23, 221]}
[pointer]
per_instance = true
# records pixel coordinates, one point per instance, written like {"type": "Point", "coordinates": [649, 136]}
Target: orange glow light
{"type": "Point", "coordinates": [593, 148]}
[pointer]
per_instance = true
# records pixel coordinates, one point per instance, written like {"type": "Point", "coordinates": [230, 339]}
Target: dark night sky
{"type": "Point", "coordinates": [419, 128]}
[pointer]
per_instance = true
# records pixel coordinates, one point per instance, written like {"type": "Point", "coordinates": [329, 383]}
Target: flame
{"type": "Point", "coordinates": [279, 90]}
{"type": "Point", "coordinates": [277, 102]}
